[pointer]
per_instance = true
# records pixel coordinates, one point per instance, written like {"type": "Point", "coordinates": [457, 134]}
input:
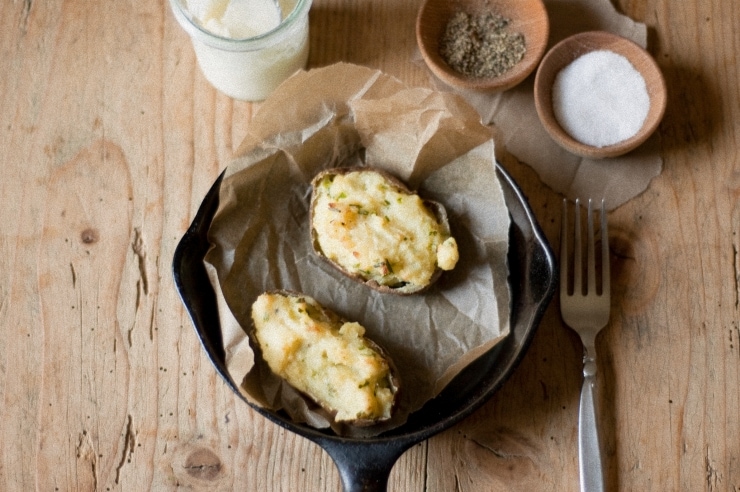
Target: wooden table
{"type": "Point", "coordinates": [111, 136]}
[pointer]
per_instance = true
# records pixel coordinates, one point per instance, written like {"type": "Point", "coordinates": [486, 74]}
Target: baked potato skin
{"type": "Point", "coordinates": [406, 242]}
{"type": "Point", "coordinates": [325, 357]}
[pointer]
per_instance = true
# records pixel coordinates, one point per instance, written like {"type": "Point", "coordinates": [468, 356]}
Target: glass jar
{"type": "Point", "coordinates": [250, 68]}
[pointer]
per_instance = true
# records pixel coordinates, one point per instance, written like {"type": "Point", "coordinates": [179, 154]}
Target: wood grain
{"type": "Point", "coordinates": [109, 138]}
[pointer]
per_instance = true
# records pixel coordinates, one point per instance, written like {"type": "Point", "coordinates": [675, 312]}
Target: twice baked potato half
{"type": "Point", "coordinates": [376, 231]}
{"type": "Point", "coordinates": [325, 357]}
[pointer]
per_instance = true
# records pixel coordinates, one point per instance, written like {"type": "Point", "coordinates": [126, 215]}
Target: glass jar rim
{"type": "Point", "coordinates": [197, 31]}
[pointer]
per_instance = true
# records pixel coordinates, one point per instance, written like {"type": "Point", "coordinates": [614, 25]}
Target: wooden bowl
{"type": "Point", "coordinates": [528, 17]}
{"type": "Point", "coordinates": [566, 51]}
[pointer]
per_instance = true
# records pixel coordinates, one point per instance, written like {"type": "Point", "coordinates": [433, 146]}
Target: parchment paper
{"type": "Point", "coordinates": [349, 115]}
{"type": "Point", "coordinates": [520, 132]}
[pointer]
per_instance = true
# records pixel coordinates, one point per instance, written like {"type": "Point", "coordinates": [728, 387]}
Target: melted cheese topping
{"type": "Point", "coordinates": [371, 229]}
{"type": "Point", "coordinates": [326, 359]}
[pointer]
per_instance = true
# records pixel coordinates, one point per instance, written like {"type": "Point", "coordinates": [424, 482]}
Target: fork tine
{"type": "Point", "coordinates": [605, 275]}
{"type": "Point", "coordinates": [577, 248]}
{"type": "Point", "coordinates": [564, 249]}
{"type": "Point", "coordinates": [591, 286]}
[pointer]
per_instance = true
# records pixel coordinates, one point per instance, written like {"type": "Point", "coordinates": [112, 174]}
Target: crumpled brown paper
{"type": "Point", "coordinates": [350, 115]}
{"type": "Point", "coordinates": [520, 132]}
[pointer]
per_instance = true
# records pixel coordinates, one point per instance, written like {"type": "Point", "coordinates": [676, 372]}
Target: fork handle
{"type": "Point", "coordinates": [589, 449]}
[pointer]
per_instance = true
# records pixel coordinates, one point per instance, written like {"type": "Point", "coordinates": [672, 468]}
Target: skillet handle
{"type": "Point", "coordinates": [364, 466]}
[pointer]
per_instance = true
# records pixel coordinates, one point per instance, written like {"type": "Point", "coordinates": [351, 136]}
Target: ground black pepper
{"type": "Point", "coordinates": [480, 46]}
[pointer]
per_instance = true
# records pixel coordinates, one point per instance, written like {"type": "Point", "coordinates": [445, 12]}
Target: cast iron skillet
{"type": "Point", "coordinates": [365, 464]}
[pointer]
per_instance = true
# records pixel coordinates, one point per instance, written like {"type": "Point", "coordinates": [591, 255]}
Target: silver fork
{"type": "Point", "coordinates": [586, 313]}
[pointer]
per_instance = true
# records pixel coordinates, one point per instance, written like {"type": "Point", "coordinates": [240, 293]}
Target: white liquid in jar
{"type": "Point", "coordinates": [240, 67]}
{"type": "Point", "coordinates": [235, 19]}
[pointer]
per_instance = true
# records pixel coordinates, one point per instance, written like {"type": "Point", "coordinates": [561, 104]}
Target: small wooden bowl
{"type": "Point", "coordinates": [575, 46]}
{"type": "Point", "coordinates": [528, 17]}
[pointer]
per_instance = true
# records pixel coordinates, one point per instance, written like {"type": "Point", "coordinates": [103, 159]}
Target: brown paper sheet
{"type": "Point", "coordinates": [349, 115]}
{"type": "Point", "coordinates": [520, 133]}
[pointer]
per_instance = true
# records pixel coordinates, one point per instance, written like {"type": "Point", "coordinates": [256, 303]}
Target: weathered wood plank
{"type": "Point", "coordinates": [110, 137]}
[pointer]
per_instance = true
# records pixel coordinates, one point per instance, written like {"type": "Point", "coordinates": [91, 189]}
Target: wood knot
{"type": "Point", "coordinates": [89, 236]}
{"type": "Point", "coordinates": [203, 464]}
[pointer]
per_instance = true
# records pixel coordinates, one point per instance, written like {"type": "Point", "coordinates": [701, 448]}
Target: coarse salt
{"type": "Point", "coordinates": [600, 99]}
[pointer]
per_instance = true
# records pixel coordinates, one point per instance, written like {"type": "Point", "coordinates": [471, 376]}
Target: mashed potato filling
{"type": "Point", "coordinates": [374, 230]}
{"type": "Point", "coordinates": [327, 359]}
